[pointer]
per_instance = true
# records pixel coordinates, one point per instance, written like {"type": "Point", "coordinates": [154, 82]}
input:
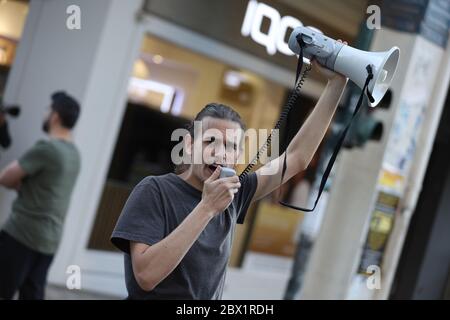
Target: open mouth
{"type": "Point", "coordinates": [213, 166]}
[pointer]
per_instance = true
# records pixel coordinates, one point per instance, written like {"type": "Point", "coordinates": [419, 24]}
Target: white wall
{"type": "Point", "coordinates": [438, 88]}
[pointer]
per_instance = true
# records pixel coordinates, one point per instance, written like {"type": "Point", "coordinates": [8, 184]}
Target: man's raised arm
{"type": "Point", "coordinates": [305, 143]}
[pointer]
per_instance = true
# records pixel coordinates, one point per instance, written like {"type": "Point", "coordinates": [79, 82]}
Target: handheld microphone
{"type": "Point", "coordinates": [227, 172]}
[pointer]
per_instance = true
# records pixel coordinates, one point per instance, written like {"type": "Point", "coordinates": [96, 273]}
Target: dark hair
{"type": "Point", "coordinates": [213, 110]}
{"type": "Point", "coordinates": [66, 107]}
{"type": "Point", "coordinates": [217, 111]}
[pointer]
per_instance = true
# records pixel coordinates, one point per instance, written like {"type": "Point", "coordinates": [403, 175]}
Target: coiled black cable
{"type": "Point", "coordinates": [283, 117]}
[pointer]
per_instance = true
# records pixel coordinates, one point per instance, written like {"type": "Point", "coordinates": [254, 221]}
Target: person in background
{"type": "Point", "coordinates": [44, 178]}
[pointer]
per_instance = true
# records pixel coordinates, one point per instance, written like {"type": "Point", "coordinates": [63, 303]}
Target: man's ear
{"type": "Point", "coordinates": [55, 118]}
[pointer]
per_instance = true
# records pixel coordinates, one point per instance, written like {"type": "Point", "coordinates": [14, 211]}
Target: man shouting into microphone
{"type": "Point", "coordinates": [176, 230]}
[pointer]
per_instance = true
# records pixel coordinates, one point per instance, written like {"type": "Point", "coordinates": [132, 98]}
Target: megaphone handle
{"type": "Point", "coordinates": [336, 148]}
{"type": "Point", "coordinates": [300, 59]}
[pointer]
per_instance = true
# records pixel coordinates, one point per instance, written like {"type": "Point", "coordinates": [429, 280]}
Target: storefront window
{"type": "Point", "coordinates": [13, 14]}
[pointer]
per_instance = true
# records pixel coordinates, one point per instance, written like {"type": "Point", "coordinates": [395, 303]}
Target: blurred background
{"type": "Point", "coordinates": [141, 69]}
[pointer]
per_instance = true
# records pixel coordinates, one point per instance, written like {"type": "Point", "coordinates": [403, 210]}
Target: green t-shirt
{"type": "Point", "coordinates": [39, 211]}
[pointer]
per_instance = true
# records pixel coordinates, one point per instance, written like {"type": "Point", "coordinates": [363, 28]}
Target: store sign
{"type": "Point", "coordinates": [275, 38]}
{"type": "Point", "coordinates": [260, 28]}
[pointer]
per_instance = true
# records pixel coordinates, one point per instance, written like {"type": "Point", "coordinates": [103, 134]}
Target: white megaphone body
{"type": "Point", "coordinates": [348, 61]}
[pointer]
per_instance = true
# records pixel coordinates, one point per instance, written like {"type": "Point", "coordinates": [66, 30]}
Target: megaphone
{"type": "Point", "coordinates": [348, 61]}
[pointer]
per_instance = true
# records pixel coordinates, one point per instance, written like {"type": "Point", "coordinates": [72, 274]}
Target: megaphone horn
{"type": "Point", "coordinates": [348, 61]}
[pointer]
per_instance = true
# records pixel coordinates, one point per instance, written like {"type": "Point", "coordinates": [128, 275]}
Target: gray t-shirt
{"type": "Point", "coordinates": [154, 209]}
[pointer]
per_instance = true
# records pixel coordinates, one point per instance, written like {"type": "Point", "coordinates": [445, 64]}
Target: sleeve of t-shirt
{"type": "Point", "coordinates": [142, 218]}
{"type": "Point", "coordinates": [245, 195]}
{"type": "Point", "coordinates": [37, 158]}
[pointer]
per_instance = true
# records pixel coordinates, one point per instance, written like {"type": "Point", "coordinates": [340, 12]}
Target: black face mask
{"type": "Point", "coordinates": [46, 126]}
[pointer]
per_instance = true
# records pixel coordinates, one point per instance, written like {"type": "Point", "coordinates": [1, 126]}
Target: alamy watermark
{"type": "Point", "coordinates": [213, 146]}
{"type": "Point", "coordinates": [73, 21]}
{"type": "Point", "coordinates": [374, 19]}
{"type": "Point", "coordinates": [373, 282]}
{"type": "Point", "coordinates": [73, 281]}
